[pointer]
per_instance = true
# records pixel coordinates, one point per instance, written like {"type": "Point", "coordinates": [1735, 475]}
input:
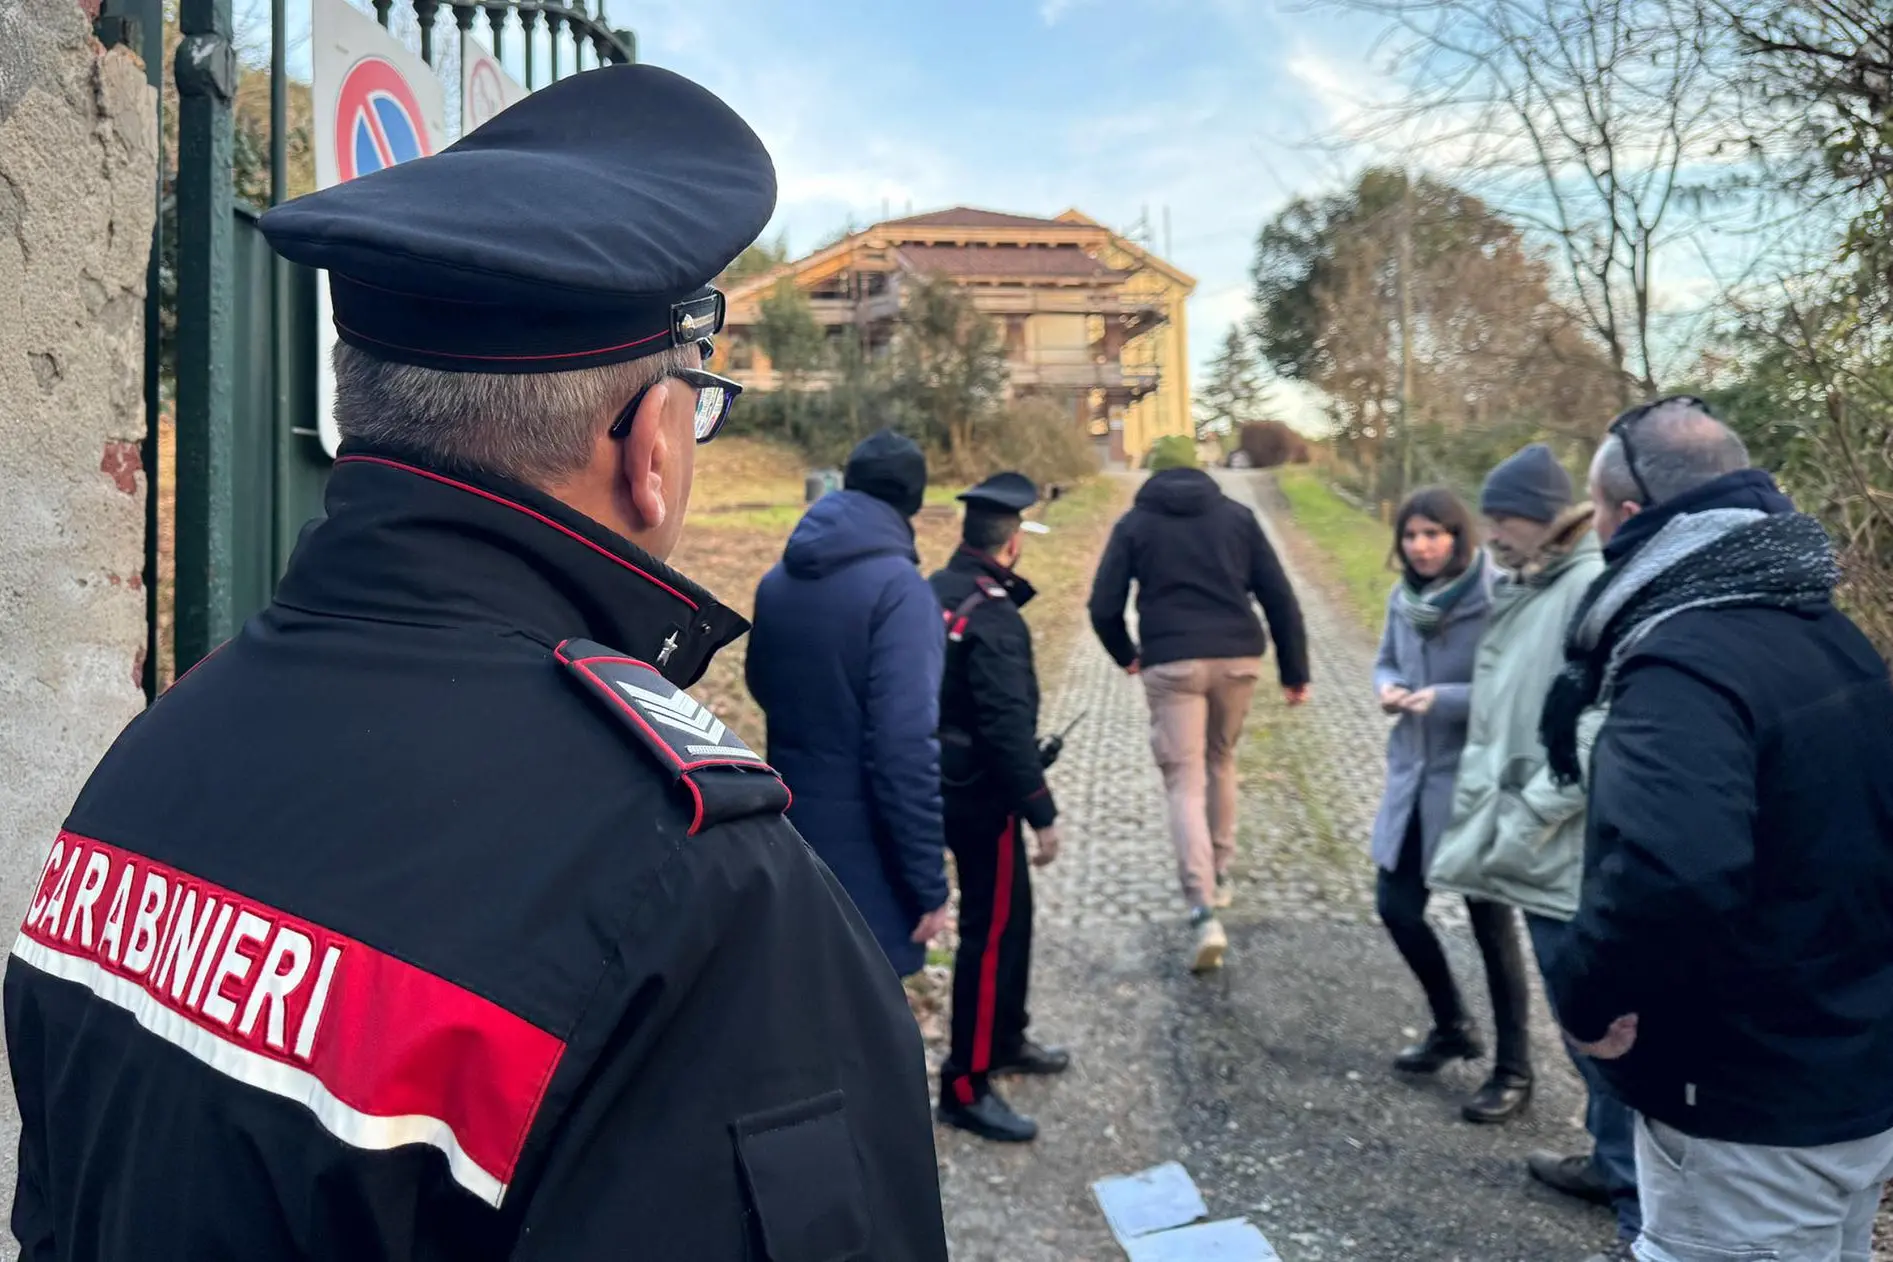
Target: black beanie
{"type": "Point", "coordinates": [891, 468]}
{"type": "Point", "coordinates": [1529, 484]}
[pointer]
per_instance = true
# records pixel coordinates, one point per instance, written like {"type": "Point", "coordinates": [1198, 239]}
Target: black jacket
{"type": "Point", "coordinates": [394, 932]}
{"type": "Point", "coordinates": [989, 696]}
{"type": "Point", "coordinates": [1738, 885]}
{"type": "Point", "coordinates": [1198, 558]}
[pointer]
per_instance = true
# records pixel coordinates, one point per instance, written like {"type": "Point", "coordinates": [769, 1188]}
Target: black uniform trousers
{"type": "Point", "coordinates": [995, 956]}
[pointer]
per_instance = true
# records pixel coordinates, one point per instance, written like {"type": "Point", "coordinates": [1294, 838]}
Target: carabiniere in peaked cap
{"type": "Point", "coordinates": [580, 227]}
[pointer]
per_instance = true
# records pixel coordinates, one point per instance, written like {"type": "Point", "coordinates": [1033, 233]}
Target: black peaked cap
{"type": "Point", "coordinates": [1003, 492]}
{"type": "Point", "coordinates": [581, 226]}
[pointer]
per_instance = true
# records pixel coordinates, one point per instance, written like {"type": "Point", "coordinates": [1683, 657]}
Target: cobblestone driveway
{"type": "Point", "coordinates": [1269, 1080]}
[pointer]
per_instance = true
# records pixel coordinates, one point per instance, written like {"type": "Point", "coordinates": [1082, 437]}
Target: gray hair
{"type": "Point", "coordinates": [1679, 447]}
{"type": "Point", "coordinates": [537, 428]}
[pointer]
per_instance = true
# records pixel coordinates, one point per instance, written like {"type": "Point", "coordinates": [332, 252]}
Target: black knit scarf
{"type": "Point", "coordinates": [1715, 559]}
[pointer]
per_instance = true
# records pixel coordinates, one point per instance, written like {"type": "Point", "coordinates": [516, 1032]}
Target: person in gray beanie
{"type": "Point", "coordinates": [1517, 834]}
{"type": "Point", "coordinates": [1529, 485]}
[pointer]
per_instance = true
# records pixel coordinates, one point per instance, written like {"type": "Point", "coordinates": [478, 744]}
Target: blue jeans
{"type": "Point", "coordinates": [1611, 1122]}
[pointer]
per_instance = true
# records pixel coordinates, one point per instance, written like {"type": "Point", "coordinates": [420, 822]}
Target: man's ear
{"type": "Point", "coordinates": [644, 457]}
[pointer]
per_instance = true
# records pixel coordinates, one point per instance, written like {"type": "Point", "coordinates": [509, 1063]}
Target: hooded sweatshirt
{"type": "Point", "coordinates": [845, 661]}
{"type": "Point", "coordinates": [1200, 562]}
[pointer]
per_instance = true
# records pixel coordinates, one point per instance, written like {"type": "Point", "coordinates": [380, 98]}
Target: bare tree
{"type": "Point", "coordinates": [1591, 121]}
{"type": "Point", "coordinates": [1815, 396]}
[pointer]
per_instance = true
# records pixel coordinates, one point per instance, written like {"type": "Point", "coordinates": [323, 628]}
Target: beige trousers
{"type": "Point", "coordinates": [1196, 713]}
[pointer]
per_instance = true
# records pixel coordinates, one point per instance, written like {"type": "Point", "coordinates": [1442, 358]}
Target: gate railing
{"type": "Point", "coordinates": [248, 468]}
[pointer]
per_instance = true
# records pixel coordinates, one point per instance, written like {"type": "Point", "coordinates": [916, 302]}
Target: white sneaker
{"type": "Point", "coordinates": [1224, 895]}
{"type": "Point", "coordinates": [1211, 942]}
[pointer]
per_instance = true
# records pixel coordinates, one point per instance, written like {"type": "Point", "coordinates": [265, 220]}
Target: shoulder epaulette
{"type": "Point", "coordinates": [727, 779]}
{"type": "Point", "coordinates": [985, 588]}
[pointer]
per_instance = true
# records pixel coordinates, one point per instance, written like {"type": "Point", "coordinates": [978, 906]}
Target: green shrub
{"type": "Point", "coordinates": [1172, 451]}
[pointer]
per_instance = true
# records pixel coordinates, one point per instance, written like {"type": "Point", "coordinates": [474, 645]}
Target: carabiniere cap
{"type": "Point", "coordinates": [1007, 492]}
{"type": "Point", "coordinates": [582, 226]}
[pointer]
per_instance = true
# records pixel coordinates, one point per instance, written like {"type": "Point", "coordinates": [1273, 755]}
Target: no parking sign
{"type": "Point", "coordinates": [485, 87]}
{"type": "Point", "coordinates": [377, 120]}
{"type": "Point", "coordinates": [376, 105]}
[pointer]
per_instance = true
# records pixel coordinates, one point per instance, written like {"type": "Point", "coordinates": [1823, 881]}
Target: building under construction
{"type": "Point", "coordinates": [1089, 317]}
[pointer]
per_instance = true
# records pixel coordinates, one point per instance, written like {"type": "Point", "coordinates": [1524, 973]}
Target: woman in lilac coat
{"type": "Point", "coordinates": [1435, 616]}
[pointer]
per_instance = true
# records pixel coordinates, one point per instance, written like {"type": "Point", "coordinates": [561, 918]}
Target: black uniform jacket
{"type": "Point", "coordinates": [989, 695]}
{"type": "Point", "coordinates": [393, 932]}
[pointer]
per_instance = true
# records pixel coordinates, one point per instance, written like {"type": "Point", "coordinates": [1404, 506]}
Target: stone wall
{"type": "Point", "coordinates": [78, 155]}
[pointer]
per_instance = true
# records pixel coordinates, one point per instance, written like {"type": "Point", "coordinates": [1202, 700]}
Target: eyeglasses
{"type": "Point", "coordinates": [715, 397]}
{"type": "Point", "coordinates": [1621, 427]}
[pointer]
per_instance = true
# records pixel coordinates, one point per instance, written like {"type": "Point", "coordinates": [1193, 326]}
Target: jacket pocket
{"type": "Point", "coordinates": [1524, 850]}
{"type": "Point", "coordinates": [803, 1181]}
{"type": "Point", "coordinates": [1669, 1145]}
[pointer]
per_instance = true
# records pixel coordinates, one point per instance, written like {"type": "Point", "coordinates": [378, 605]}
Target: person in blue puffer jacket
{"type": "Point", "coordinates": [845, 661]}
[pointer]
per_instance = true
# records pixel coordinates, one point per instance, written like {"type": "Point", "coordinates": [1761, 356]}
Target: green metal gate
{"type": "Point", "coordinates": [249, 468]}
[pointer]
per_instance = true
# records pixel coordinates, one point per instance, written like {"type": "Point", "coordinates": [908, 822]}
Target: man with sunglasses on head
{"type": "Point", "coordinates": [1730, 967]}
{"type": "Point", "coordinates": [431, 918]}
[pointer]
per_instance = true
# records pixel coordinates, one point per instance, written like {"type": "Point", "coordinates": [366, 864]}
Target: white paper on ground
{"type": "Point", "coordinates": [1154, 1200]}
{"type": "Point", "coordinates": [1232, 1240]}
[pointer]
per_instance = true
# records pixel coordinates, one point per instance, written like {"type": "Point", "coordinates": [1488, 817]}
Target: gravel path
{"type": "Point", "coordinates": [1269, 1080]}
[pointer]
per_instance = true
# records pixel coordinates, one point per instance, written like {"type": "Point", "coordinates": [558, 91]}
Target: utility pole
{"type": "Point", "coordinates": [1404, 265]}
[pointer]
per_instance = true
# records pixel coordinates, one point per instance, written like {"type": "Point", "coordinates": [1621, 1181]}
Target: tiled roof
{"type": "Point", "coordinates": [1055, 262]}
{"type": "Point", "coordinates": [968, 217]}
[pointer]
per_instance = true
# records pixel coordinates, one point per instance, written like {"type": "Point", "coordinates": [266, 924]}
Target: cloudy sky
{"type": "Point", "coordinates": [1197, 117]}
{"type": "Point", "coordinates": [1204, 107]}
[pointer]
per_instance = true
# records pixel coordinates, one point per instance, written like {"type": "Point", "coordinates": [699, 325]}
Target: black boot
{"type": "Point", "coordinates": [1031, 1058]}
{"type": "Point", "coordinates": [1442, 1046]}
{"type": "Point", "coordinates": [989, 1117]}
{"type": "Point", "coordinates": [1572, 1175]}
{"type": "Point", "coordinates": [1502, 1098]}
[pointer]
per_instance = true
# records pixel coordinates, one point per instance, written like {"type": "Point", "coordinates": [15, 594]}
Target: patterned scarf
{"type": "Point", "coordinates": [1714, 559]}
{"type": "Point", "coordinates": [1426, 607]}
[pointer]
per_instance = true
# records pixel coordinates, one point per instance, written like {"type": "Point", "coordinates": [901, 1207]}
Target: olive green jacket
{"type": "Point", "coordinates": [1516, 836]}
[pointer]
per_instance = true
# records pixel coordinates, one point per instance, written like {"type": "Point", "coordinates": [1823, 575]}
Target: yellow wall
{"type": "Point", "coordinates": [1167, 410]}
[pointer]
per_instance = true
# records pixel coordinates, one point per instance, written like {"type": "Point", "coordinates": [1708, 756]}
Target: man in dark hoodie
{"type": "Point", "coordinates": [845, 660]}
{"type": "Point", "coordinates": [1731, 962]}
{"type": "Point", "coordinates": [1200, 561]}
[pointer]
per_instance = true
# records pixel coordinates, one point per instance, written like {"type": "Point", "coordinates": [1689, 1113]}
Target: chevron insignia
{"type": "Point", "coordinates": [675, 726]}
{"type": "Point", "coordinates": [705, 735]}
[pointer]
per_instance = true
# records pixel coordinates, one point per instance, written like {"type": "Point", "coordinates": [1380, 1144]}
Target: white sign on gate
{"type": "Point", "coordinates": [376, 105]}
{"type": "Point", "coordinates": [485, 87]}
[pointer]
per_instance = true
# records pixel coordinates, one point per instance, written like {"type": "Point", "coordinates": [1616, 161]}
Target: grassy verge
{"type": "Point", "coordinates": [1354, 544]}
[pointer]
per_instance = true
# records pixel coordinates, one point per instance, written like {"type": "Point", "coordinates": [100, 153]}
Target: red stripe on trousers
{"type": "Point", "coordinates": [989, 962]}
